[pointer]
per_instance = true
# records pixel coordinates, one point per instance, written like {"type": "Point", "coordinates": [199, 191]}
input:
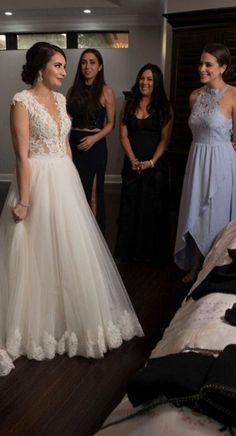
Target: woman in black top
{"type": "Point", "coordinates": [91, 105]}
{"type": "Point", "coordinates": [145, 128]}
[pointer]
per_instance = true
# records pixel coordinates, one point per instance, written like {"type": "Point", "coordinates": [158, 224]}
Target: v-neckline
{"type": "Point", "coordinates": [57, 122]}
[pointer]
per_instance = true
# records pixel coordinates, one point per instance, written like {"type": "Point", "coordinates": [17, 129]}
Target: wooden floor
{"type": "Point", "coordinates": [66, 397]}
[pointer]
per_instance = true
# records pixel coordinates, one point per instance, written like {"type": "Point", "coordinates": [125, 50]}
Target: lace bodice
{"type": "Point", "coordinates": [46, 137]}
{"type": "Point", "coordinates": [207, 122]}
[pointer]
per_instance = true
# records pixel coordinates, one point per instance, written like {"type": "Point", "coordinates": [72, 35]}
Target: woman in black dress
{"type": "Point", "coordinates": [145, 128]}
{"type": "Point", "coordinates": [91, 105]}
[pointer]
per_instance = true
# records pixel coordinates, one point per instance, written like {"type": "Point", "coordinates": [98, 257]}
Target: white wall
{"type": "Point", "coordinates": [121, 67]}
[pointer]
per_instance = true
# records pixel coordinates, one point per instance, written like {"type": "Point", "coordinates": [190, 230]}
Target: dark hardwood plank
{"type": "Point", "coordinates": [68, 397]}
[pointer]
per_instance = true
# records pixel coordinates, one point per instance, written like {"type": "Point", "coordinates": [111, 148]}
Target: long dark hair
{"type": "Point", "coordinates": [88, 97]}
{"type": "Point", "coordinates": [37, 58]}
{"type": "Point", "coordinates": [159, 102]}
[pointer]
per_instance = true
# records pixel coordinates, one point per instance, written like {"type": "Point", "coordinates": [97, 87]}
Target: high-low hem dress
{"type": "Point", "coordinates": [60, 290]}
{"type": "Point", "coordinates": [208, 201]}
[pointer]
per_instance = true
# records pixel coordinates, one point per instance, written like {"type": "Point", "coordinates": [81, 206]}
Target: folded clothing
{"type": "Point", "coordinates": [202, 382]}
{"type": "Point", "coordinates": [230, 315]}
{"type": "Point", "coordinates": [220, 279]}
{"type": "Point", "coordinates": [218, 395]}
{"type": "Point", "coordinates": [175, 375]}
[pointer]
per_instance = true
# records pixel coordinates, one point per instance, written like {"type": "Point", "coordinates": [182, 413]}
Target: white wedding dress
{"type": "Point", "coordinates": [60, 290]}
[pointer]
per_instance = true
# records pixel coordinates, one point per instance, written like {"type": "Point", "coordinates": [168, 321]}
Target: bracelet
{"type": "Point", "coordinates": [22, 204]}
{"type": "Point", "coordinates": [151, 163]}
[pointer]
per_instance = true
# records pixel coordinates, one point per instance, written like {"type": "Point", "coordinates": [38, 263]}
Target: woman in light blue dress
{"type": "Point", "coordinates": [208, 200]}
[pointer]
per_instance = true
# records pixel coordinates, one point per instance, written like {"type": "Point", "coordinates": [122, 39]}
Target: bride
{"type": "Point", "coordinates": [60, 291]}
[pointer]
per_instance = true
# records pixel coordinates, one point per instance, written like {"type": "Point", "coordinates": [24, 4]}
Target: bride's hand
{"type": "Point", "coordinates": [19, 213]}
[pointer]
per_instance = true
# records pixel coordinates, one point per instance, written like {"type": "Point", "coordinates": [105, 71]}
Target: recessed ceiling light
{"type": "Point", "coordinates": [8, 13]}
{"type": "Point", "coordinates": [87, 11]}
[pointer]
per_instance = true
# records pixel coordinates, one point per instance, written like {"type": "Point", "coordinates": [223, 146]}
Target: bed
{"type": "Point", "coordinates": [200, 327]}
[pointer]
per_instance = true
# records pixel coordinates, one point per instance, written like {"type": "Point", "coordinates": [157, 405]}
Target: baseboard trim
{"type": "Point", "coordinates": [6, 177]}
{"type": "Point", "coordinates": [113, 179]}
{"type": "Point", "coordinates": [110, 179]}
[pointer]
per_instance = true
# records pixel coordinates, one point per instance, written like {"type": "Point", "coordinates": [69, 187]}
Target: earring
{"type": "Point", "coordinates": [40, 77]}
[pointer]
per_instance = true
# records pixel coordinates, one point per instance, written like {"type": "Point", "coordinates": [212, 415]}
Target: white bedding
{"type": "Point", "coordinates": [197, 325]}
{"type": "Point", "coordinates": [200, 324]}
{"type": "Point", "coordinates": [165, 420]}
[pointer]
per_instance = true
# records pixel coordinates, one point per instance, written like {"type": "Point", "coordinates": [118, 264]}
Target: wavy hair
{"type": "Point", "coordinates": [89, 99]}
{"type": "Point", "coordinates": [159, 102]}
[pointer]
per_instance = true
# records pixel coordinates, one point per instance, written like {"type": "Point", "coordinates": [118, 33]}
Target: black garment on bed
{"type": "Point", "coordinates": [143, 224]}
{"type": "Point", "coordinates": [176, 375]}
{"type": "Point", "coordinates": [230, 315]}
{"type": "Point", "coordinates": [202, 382]}
{"type": "Point", "coordinates": [220, 279]}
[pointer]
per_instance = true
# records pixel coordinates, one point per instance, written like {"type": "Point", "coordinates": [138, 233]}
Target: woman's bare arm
{"type": "Point", "coordinates": [19, 122]}
{"type": "Point", "coordinates": [124, 139]}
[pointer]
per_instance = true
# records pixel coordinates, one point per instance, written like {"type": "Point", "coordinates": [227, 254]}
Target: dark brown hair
{"type": "Point", "coordinates": [221, 53]}
{"type": "Point", "coordinates": [88, 98]}
{"type": "Point", "coordinates": [37, 58]}
{"type": "Point", "coordinates": [159, 102]}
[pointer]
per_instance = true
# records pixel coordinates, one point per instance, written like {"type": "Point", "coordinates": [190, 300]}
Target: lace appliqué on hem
{"type": "Point", "coordinates": [6, 364]}
{"type": "Point", "coordinates": [108, 337]}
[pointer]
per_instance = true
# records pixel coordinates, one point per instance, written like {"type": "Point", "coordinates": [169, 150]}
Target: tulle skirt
{"type": "Point", "coordinates": [60, 290]}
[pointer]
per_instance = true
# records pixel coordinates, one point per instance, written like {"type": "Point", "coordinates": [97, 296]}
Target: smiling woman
{"type": "Point", "coordinates": [208, 200]}
{"type": "Point", "coordinates": [145, 128]}
{"type": "Point", "coordinates": [60, 291]}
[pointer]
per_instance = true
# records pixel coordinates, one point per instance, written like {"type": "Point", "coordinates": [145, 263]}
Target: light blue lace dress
{"type": "Point", "coordinates": [208, 199]}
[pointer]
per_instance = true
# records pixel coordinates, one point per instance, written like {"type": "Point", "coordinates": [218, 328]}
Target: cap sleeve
{"type": "Point", "coordinates": [21, 97]}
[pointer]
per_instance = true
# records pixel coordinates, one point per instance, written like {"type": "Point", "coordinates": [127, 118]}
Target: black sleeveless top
{"type": "Point", "coordinates": [95, 120]}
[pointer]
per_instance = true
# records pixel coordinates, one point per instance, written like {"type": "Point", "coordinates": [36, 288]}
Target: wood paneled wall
{"type": "Point", "coordinates": [191, 31]}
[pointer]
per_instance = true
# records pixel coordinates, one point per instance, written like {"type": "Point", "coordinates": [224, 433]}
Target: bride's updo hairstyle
{"type": "Point", "coordinates": [37, 58]}
{"type": "Point", "coordinates": [221, 53]}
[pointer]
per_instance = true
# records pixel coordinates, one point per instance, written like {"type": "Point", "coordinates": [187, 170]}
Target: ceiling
{"type": "Point", "coordinates": [48, 15]}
